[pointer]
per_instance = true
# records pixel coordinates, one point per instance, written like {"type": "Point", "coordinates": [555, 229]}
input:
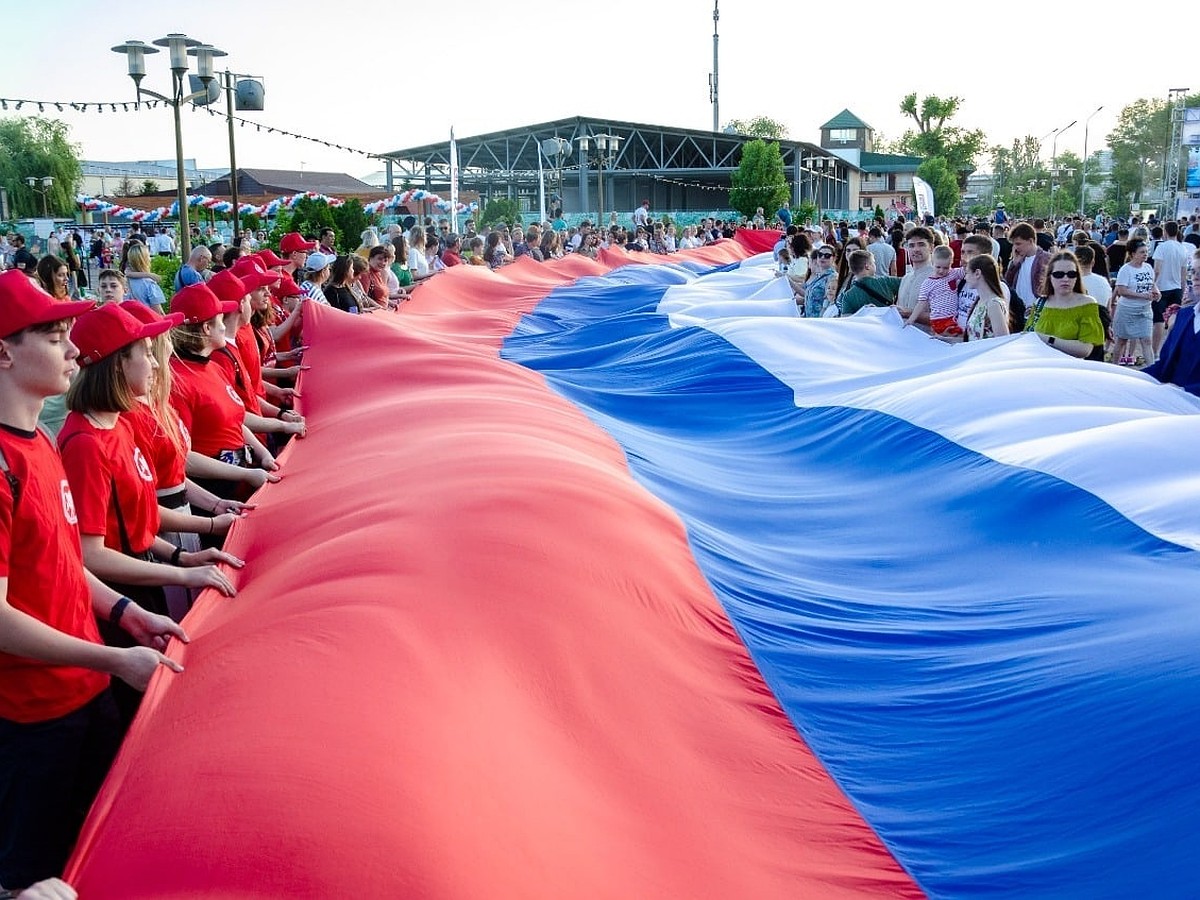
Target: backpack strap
{"type": "Point", "coordinates": [867, 289]}
{"type": "Point", "coordinates": [14, 483]}
{"type": "Point", "coordinates": [237, 368]}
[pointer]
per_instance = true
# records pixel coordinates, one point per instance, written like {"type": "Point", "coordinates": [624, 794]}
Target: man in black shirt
{"type": "Point", "coordinates": [1000, 234]}
{"type": "Point", "coordinates": [22, 258]}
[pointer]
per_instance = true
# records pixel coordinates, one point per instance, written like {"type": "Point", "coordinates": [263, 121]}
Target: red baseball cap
{"type": "Point", "coordinates": [198, 303]}
{"type": "Point", "coordinates": [23, 303]}
{"type": "Point", "coordinates": [286, 288]}
{"type": "Point", "coordinates": [252, 273]}
{"type": "Point", "coordinates": [103, 331]}
{"type": "Point", "coordinates": [228, 287]}
{"type": "Point", "coordinates": [294, 241]}
{"type": "Point", "coordinates": [271, 259]}
{"type": "Point", "coordinates": [146, 314]}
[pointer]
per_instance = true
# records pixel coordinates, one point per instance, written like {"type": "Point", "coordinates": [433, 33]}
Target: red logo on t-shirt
{"type": "Point", "coordinates": [143, 467]}
{"type": "Point", "coordinates": [68, 502]}
{"type": "Point", "coordinates": [233, 394]}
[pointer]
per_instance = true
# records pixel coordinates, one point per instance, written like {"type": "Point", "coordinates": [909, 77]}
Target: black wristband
{"type": "Point", "coordinates": [175, 556]}
{"type": "Point", "coordinates": [118, 610]}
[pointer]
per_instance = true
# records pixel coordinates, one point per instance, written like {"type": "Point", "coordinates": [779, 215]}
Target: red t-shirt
{"type": "Point", "coordinates": [208, 405]}
{"type": "Point", "coordinates": [96, 460]}
{"type": "Point", "coordinates": [265, 345]}
{"type": "Point", "coordinates": [451, 259]}
{"type": "Point", "coordinates": [169, 464]}
{"type": "Point", "coordinates": [247, 345]}
{"type": "Point", "coordinates": [41, 557]}
{"type": "Point", "coordinates": [233, 365]}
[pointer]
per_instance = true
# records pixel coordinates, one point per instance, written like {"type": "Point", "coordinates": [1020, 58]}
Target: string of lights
{"type": "Point", "coordinates": [710, 187]}
{"type": "Point", "coordinates": [18, 103]}
{"type": "Point", "coordinates": [270, 129]}
{"type": "Point", "coordinates": [87, 106]}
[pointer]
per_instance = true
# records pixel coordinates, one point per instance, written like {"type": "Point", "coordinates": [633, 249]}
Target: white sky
{"type": "Point", "coordinates": [391, 74]}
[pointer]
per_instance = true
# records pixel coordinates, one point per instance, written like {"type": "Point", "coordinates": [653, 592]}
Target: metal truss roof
{"type": "Point", "coordinates": [644, 150]}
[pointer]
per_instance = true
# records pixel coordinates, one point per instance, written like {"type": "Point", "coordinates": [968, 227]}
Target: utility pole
{"type": "Point", "coordinates": [713, 79]}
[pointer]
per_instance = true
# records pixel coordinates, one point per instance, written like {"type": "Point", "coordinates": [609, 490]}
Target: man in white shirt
{"type": "Point", "coordinates": [585, 228]}
{"type": "Point", "coordinates": [1171, 259]}
{"type": "Point", "coordinates": [918, 249]}
{"type": "Point", "coordinates": [161, 244]}
{"type": "Point", "coordinates": [641, 215]}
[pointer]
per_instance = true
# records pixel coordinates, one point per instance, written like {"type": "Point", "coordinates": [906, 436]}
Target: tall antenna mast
{"type": "Point", "coordinates": [712, 79]}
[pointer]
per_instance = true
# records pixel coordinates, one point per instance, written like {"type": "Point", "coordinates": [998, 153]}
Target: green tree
{"type": "Point", "coordinates": [1016, 164]}
{"type": "Point", "coordinates": [1139, 143]}
{"type": "Point", "coordinates": [934, 137]}
{"type": "Point", "coordinates": [760, 127]}
{"type": "Point", "coordinates": [37, 148]}
{"type": "Point", "coordinates": [759, 179]}
{"type": "Point", "coordinates": [309, 216]}
{"type": "Point", "coordinates": [500, 209]}
{"type": "Point", "coordinates": [149, 187]}
{"type": "Point", "coordinates": [350, 220]}
{"type": "Point", "coordinates": [946, 193]}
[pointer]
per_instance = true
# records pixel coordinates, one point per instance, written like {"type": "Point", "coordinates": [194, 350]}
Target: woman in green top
{"type": "Point", "coordinates": [1067, 319]}
{"type": "Point", "coordinates": [399, 265]}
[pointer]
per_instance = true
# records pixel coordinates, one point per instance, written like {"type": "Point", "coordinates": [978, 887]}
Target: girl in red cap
{"type": "Point", "coordinates": [226, 458]}
{"type": "Point", "coordinates": [239, 357]}
{"type": "Point", "coordinates": [111, 480]}
{"type": "Point", "coordinates": [166, 444]}
{"type": "Point", "coordinates": [279, 344]}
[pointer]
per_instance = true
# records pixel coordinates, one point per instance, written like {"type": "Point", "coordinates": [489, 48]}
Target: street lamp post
{"type": "Point", "coordinates": [607, 146]}
{"type": "Point", "coordinates": [1054, 161]}
{"type": "Point", "coordinates": [180, 47]}
{"type": "Point", "coordinates": [46, 181]}
{"type": "Point", "coordinates": [233, 176]}
{"type": "Point", "coordinates": [555, 148]}
{"type": "Point", "coordinates": [1083, 185]}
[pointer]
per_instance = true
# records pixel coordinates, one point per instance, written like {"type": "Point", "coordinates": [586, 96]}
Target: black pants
{"type": "Point", "coordinates": [50, 773]}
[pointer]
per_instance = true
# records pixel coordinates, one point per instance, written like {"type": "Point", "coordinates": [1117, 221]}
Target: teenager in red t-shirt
{"type": "Point", "coordinates": [167, 442]}
{"type": "Point", "coordinates": [226, 458]}
{"type": "Point", "coordinates": [242, 369]}
{"type": "Point", "coordinates": [265, 311]}
{"type": "Point", "coordinates": [59, 728]}
{"type": "Point", "coordinates": [111, 478]}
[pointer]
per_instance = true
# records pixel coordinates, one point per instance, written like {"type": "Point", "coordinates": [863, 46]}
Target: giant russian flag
{"type": "Point", "coordinates": [603, 579]}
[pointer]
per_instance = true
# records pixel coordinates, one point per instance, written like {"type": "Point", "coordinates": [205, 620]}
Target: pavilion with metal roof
{"type": "Point", "coordinates": [674, 168]}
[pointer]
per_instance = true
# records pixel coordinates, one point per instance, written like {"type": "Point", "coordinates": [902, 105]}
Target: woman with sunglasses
{"type": "Point", "coordinates": [821, 286]}
{"type": "Point", "coordinates": [1066, 318]}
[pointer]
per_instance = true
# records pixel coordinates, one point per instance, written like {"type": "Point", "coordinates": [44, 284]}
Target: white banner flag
{"type": "Point", "coordinates": [924, 197]}
{"type": "Point", "coordinates": [453, 181]}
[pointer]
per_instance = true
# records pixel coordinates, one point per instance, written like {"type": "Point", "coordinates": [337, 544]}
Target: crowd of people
{"type": "Point", "coordinates": [134, 429]}
{"type": "Point", "coordinates": [1093, 289]}
{"type": "Point", "coordinates": [114, 510]}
